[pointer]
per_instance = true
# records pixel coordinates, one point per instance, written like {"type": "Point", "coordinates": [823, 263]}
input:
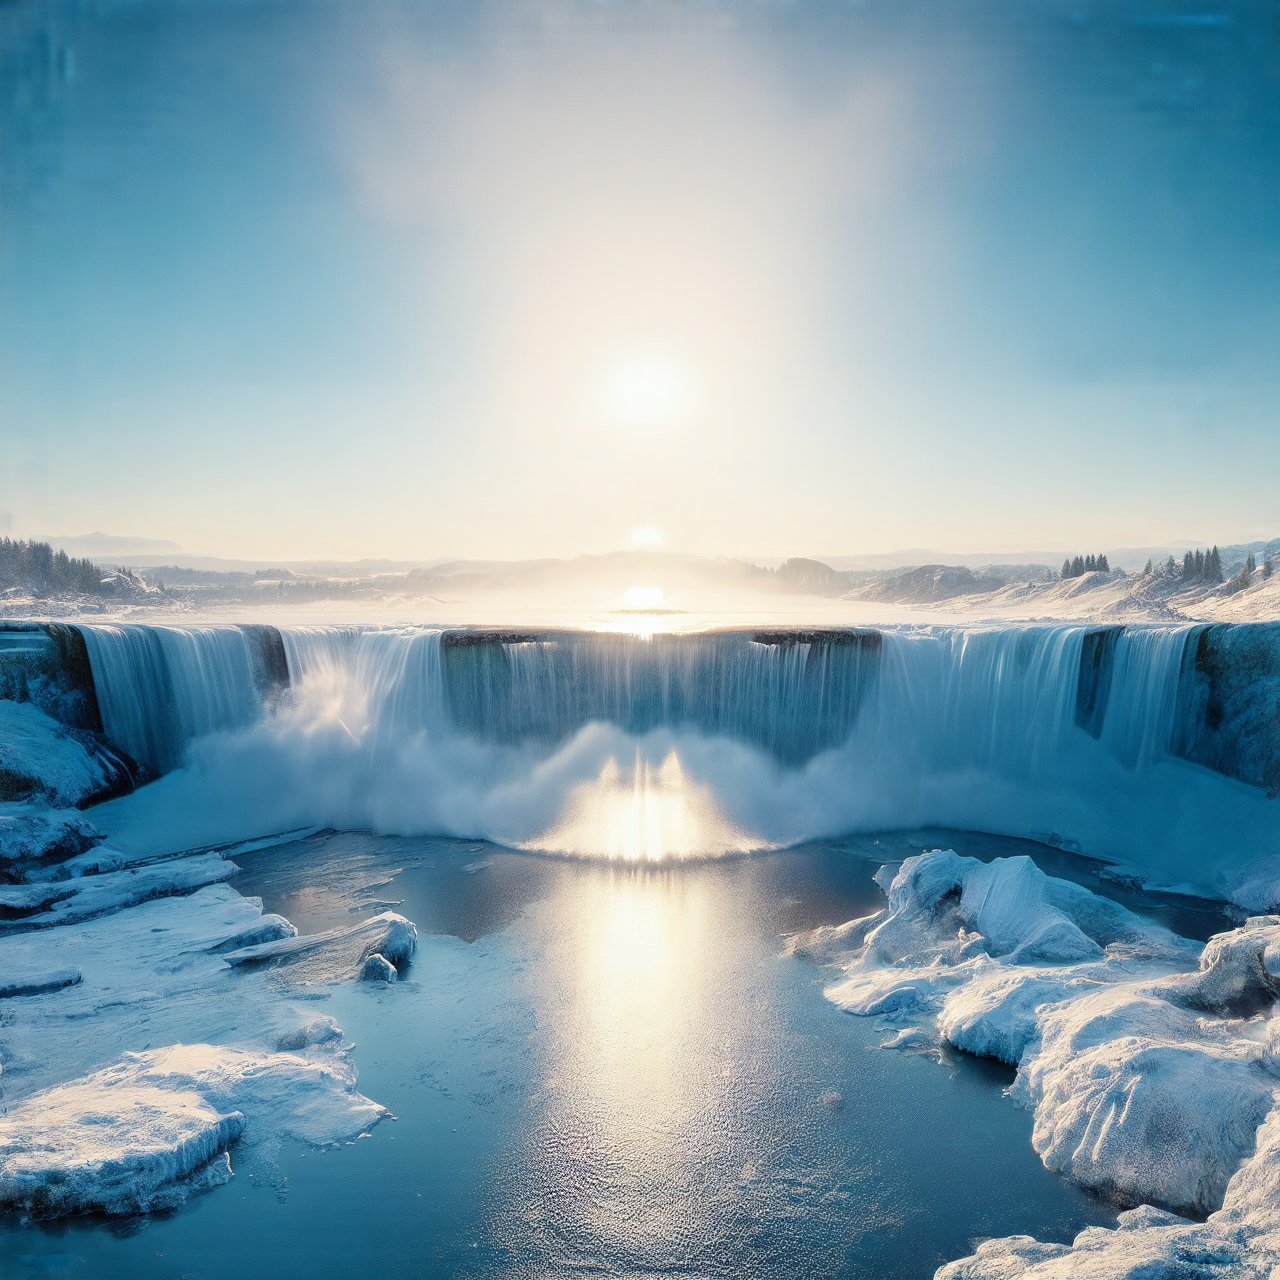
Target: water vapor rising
{"type": "Point", "coordinates": [613, 747]}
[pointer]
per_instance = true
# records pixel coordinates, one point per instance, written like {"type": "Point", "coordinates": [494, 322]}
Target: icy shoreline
{"type": "Point", "coordinates": [146, 1026]}
{"type": "Point", "coordinates": [1151, 1066]}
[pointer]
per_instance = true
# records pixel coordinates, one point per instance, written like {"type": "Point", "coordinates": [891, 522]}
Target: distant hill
{"type": "Point", "coordinates": [109, 546]}
{"type": "Point", "coordinates": [930, 583]}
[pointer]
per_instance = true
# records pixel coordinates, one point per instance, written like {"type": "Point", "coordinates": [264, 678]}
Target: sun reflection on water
{"type": "Point", "coordinates": [644, 1102]}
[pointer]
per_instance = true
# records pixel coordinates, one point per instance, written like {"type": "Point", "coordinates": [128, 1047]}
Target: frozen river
{"type": "Point", "coordinates": [601, 1070]}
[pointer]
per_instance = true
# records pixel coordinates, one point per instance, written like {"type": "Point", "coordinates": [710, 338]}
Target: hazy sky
{"type": "Point", "coordinates": [504, 279]}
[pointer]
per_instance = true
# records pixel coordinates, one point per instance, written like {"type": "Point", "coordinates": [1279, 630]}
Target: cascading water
{"type": "Point", "coordinates": [384, 684]}
{"type": "Point", "coordinates": [158, 688]}
{"type": "Point", "coordinates": [1143, 702]}
{"type": "Point", "coordinates": [998, 701]}
{"type": "Point", "coordinates": [791, 697]}
{"type": "Point", "coordinates": [570, 740]}
{"type": "Point", "coordinates": [1006, 700]}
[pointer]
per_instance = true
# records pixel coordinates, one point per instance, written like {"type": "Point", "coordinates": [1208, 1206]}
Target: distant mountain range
{"type": "Point", "coordinates": [916, 575]}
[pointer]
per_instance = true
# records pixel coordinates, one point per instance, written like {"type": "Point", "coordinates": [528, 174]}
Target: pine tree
{"type": "Point", "coordinates": [1250, 564]}
{"type": "Point", "coordinates": [1147, 571]}
{"type": "Point", "coordinates": [1104, 564]}
{"type": "Point", "coordinates": [1188, 566]}
{"type": "Point", "coordinates": [1066, 568]}
{"type": "Point", "coordinates": [1267, 569]}
{"type": "Point", "coordinates": [1213, 565]}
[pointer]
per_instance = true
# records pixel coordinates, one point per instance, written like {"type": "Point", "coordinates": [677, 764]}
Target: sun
{"type": "Point", "coordinates": [646, 537]}
{"type": "Point", "coordinates": [637, 599]}
{"type": "Point", "coordinates": [648, 392]}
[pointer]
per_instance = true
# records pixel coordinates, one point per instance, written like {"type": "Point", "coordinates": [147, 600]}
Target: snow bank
{"type": "Point", "coordinates": [41, 758]}
{"type": "Point", "coordinates": [82, 898]}
{"type": "Point", "coordinates": [1151, 1066]}
{"type": "Point", "coordinates": [136, 1136]}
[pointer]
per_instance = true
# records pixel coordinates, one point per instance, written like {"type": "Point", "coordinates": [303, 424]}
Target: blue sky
{"type": "Point", "coordinates": [417, 280]}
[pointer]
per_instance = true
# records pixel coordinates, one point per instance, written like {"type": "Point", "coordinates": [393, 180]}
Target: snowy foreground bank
{"type": "Point", "coordinates": [151, 1017]}
{"type": "Point", "coordinates": [1152, 1066]}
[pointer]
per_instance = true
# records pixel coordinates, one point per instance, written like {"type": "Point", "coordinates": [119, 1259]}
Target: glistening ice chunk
{"type": "Point", "coordinates": [142, 1134]}
{"type": "Point", "coordinates": [337, 952]}
{"type": "Point", "coordinates": [1148, 1080]}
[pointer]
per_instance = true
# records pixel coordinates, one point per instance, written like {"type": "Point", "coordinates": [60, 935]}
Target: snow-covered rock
{"type": "Point", "coordinates": [44, 759]}
{"type": "Point", "coordinates": [1136, 1097]}
{"type": "Point", "coordinates": [131, 1137]}
{"type": "Point", "coordinates": [35, 833]}
{"type": "Point", "coordinates": [1241, 1241]}
{"type": "Point", "coordinates": [1239, 971]}
{"type": "Point", "coordinates": [1149, 1064]}
{"type": "Point", "coordinates": [377, 968]}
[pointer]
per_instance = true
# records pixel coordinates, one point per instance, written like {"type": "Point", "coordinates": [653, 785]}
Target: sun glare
{"type": "Point", "coordinates": [639, 599]}
{"type": "Point", "coordinates": [649, 392]}
{"type": "Point", "coordinates": [644, 812]}
{"type": "Point", "coordinates": [647, 538]}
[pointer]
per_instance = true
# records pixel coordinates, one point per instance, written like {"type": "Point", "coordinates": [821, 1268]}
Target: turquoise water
{"type": "Point", "coordinates": [609, 1072]}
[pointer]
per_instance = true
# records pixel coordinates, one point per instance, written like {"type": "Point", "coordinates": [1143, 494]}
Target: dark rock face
{"type": "Point", "coordinates": [1230, 719]}
{"type": "Point", "coordinates": [47, 664]}
{"type": "Point", "coordinates": [1097, 655]}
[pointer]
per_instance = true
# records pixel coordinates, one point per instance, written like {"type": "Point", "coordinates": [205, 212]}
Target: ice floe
{"type": "Point", "coordinates": [139, 1134]}
{"type": "Point", "coordinates": [1152, 1065]}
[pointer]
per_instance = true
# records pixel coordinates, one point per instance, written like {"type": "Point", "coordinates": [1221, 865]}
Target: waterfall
{"type": "Point", "coordinates": [160, 687]}
{"type": "Point", "coordinates": [1113, 740]}
{"type": "Point", "coordinates": [1005, 700]}
{"type": "Point", "coordinates": [385, 682]}
{"type": "Point", "coordinates": [1143, 703]}
{"type": "Point", "coordinates": [993, 700]}
{"type": "Point", "coordinates": [792, 698]}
